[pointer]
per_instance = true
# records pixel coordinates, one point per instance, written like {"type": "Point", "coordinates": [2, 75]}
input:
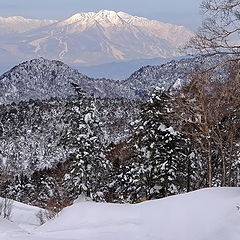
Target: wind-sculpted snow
{"type": "Point", "coordinates": [207, 214]}
{"type": "Point", "coordinates": [22, 217]}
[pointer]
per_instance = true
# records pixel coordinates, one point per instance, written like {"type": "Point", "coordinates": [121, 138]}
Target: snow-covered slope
{"type": "Point", "coordinates": [94, 38]}
{"type": "Point", "coordinates": [174, 72]}
{"type": "Point", "coordinates": [22, 215]}
{"type": "Point", "coordinates": [9, 230]}
{"type": "Point", "coordinates": [19, 24]}
{"type": "Point", "coordinates": [206, 214]}
{"type": "Point", "coordinates": [43, 79]}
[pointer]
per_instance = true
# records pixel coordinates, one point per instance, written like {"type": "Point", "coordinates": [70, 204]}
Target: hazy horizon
{"type": "Point", "coordinates": [184, 13]}
{"type": "Point", "coordinates": [181, 13]}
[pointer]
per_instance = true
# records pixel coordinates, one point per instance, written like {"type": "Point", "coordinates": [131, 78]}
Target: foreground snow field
{"type": "Point", "coordinates": [208, 214]}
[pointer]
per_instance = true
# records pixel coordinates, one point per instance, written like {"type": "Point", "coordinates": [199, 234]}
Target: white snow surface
{"type": "Point", "coordinates": [19, 24]}
{"type": "Point", "coordinates": [90, 38]}
{"type": "Point", "coordinates": [208, 214]}
{"type": "Point", "coordinates": [23, 215]}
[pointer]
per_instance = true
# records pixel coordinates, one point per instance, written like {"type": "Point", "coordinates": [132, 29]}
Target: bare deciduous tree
{"type": "Point", "coordinates": [210, 108]}
{"type": "Point", "coordinates": [6, 208]}
{"type": "Point", "coordinates": [45, 215]}
{"type": "Point", "coordinates": [210, 114]}
{"type": "Point", "coordinates": [220, 30]}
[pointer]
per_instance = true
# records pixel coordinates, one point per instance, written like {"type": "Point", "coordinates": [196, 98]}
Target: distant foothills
{"type": "Point", "coordinates": [45, 79]}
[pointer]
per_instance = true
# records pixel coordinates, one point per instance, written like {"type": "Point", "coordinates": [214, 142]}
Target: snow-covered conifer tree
{"type": "Point", "coordinates": [159, 148]}
{"type": "Point", "coordinates": [83, 138]}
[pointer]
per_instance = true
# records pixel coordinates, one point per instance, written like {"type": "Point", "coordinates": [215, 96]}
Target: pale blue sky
{"type": "Point", "coordinates": [182, 12]}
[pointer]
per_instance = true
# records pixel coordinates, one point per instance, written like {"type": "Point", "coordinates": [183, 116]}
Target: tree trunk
{"type": "Point", "coordinates": [209, 165]}
{"type": "Point", "coordinates": [224, 171]}
{"type": "Point", "coordinates": [189, 175]}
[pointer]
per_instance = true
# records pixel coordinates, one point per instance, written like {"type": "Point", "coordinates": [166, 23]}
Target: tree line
{"type": "Point", "coordinates": [176, 141]}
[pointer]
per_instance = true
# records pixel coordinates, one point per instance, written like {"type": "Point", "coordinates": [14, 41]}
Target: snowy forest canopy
{"type": "Point", "coordinates": [116, 150]}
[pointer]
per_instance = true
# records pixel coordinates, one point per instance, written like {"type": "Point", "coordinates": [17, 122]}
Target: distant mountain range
{"type": "Point", "coordinates": [87, 39]}
{"type": "Point", "coordinates": [20, 24]}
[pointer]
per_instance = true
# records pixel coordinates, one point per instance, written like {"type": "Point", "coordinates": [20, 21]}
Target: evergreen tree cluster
{"type": "Point", "coordinates": [113, 150]}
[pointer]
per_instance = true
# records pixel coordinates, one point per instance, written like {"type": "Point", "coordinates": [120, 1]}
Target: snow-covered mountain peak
{"type": "Point", "coordinates": [103, 16]}
{"type": "Point", "coordinates": [93, 38]}
{"type": "Point", "coordinates": [107, 13]}
{"type": "Point", "coordinates": [124, 16]}
{"type": "Point", "coordinates": [13, 18]}
{"type": "Point", "coordinates": [79, 17]}
{"type": "Point", "coordinates": [108, 16]}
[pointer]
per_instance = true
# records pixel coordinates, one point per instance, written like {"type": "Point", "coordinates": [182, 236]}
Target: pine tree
{"type": "Point", "coordinates": [159, 149]}
{"type": "Point", "coordinates": [83, 138]}
{"type": "Point", "coordinates": [20, 189]}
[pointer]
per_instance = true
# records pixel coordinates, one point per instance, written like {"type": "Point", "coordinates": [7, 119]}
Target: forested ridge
{"type": "Point", "coordinates": [165, 130]}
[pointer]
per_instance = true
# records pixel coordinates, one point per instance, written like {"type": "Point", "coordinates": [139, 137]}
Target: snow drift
{"type": "Point", "coordinates": [22, 215]}
{"type": "Point", "coordinates": [206, 214]}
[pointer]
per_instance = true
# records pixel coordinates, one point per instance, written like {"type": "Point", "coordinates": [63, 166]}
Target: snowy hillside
{"type": "Point", "coordinates": [43, 79]}
{"type": "Point", "coordinates": [175, 71]}
{"type": "Point", "coordinates": [23, 217]}
{"type": "Point", "coordinates": [91, 38]}
{"type": "Point", "coordinates": [206, 214]}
